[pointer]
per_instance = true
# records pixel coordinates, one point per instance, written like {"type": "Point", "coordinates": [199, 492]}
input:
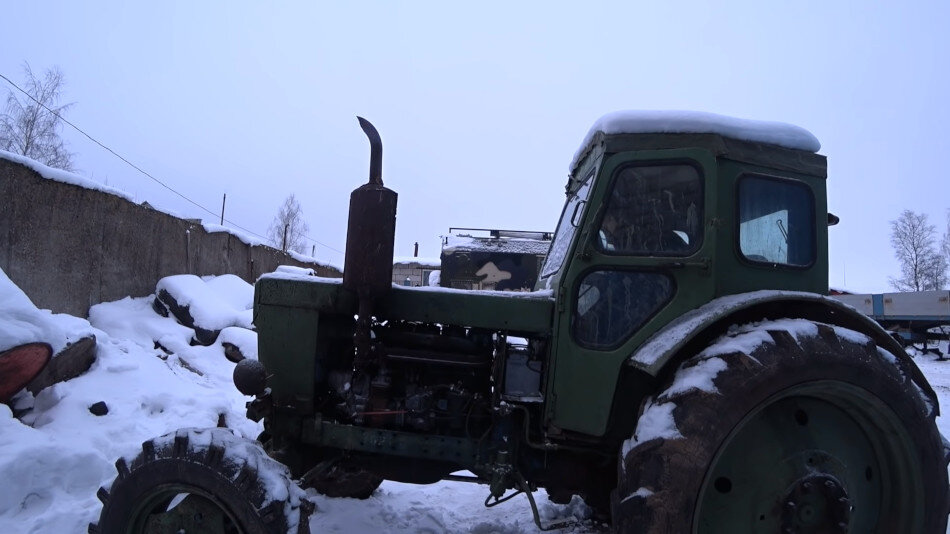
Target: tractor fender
{"type": "Point", "coordinates": [690, 333]}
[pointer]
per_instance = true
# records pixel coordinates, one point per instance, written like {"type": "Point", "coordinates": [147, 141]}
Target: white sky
{"type": "Point", "coordinates": [481, 108]}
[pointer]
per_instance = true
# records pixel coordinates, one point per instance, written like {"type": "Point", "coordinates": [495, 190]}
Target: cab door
{"type": "Point", "coordinates": [639, 261]}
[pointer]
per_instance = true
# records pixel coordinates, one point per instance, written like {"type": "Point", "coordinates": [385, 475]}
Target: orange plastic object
{"type": "Point", "coordinates": [21, 364]}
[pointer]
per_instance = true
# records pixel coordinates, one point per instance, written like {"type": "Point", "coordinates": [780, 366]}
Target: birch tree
{"type": "Point", "coordinates": [914, 242]}
{"type": "Point", "coordinates": [31, 126]}
{"type": "Point", "coordinates": [288, 230]}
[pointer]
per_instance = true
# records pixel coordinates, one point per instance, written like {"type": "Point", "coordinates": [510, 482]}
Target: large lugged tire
{"type": "Point", "coordinates": [786, 426]}
{"type": "Point", "coordinates": [207, 481]}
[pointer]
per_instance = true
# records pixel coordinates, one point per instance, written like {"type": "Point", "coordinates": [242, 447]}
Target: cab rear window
{"type": "Point", "coordinates": [776, 221]}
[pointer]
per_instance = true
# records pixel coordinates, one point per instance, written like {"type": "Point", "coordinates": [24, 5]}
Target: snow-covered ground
{"type": "Point", "coordinates": [55, 453]}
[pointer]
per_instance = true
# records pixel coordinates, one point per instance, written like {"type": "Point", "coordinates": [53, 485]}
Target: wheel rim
{"type": "Point", "coordinates": [838, 460]}
{"type": "Point", "coordinates": [182, 509]}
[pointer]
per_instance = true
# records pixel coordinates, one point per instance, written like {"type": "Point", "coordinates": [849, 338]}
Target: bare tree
{"type": "Point", "coordinates": [922, 267]}
{"type": "Point", "coordinates": [31, 127]}
{"type": "Point", "coordinates": [288, 229]}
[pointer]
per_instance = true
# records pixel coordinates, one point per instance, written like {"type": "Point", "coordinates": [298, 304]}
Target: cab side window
{"type": "Point", "coordinates": [776, 221]}
{"type": "Point", "coordinates": [654, 210]}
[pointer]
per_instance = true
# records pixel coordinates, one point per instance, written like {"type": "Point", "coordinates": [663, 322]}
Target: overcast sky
{"type": "Point", "coordinates": [482, 106]}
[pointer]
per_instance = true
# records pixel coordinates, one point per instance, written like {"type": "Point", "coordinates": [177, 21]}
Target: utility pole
{"type": "Point", "coordinates": [223, 200]}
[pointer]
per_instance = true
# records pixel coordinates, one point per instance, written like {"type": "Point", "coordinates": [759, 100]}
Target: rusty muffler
{"type": "Point", "coordinates": [370, 237]}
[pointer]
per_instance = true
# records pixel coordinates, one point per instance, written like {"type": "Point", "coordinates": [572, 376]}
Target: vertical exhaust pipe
{"type": "Point", "coordinates": [370, 235]}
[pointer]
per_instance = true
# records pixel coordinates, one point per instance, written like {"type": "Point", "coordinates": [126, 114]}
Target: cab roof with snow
{"type": "Point", "coordinates": [772, 144]}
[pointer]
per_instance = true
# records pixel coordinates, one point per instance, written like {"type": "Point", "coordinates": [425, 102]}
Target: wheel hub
{"type": "Point", "coordinates": [816, 504]}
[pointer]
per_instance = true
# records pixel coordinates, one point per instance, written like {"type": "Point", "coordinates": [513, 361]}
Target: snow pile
{"type": "Point", "coordinates": [55, 454]}
{"type": "Point", "coordinates": [213, 303]}
{"type": "Point", "coordinates": [21, 322]}
{"type": "Point", "coordinates": [643, 121]}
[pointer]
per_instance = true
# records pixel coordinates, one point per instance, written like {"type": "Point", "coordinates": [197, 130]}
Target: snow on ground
{"type": "Point", "coordinates": [56, 454]}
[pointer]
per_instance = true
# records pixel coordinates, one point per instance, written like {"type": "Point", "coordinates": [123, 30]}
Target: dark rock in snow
{"type": "Point", "coordinates": [99, 409]}
{"type": "Point", "coordinates": [67, 364]}
{"type": "Point", "coordinates": [232, 352]}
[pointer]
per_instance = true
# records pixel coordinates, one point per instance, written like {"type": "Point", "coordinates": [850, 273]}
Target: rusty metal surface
{"type": "Point", "coordinates": [21, 364]}
{"type": "Point", "coordinates": [371, 230]}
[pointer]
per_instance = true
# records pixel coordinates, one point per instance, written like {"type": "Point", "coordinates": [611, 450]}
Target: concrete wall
{"type": "Point", "coordinates": [69, 247]}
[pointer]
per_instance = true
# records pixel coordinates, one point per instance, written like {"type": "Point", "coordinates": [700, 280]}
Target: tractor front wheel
{"type": "Point", "coordinates": [786, 426]}
{"type": "Point", "coordinates": [202, 481]}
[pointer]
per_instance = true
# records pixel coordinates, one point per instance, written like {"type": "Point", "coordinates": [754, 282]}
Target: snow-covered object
{"type": "Point", "coordinates": [657, 419]}
{"type": "Point", "coordinates": [245, 340]}
{"type": "Point", "coordinates": [242, 236]}
{"type": "Point", "coordinates": [232, 289]}
{"type": "Point", "coordinates": [22, 322]}
{"type": "Point", "coordinates": [310, 259]}
{"type": "Point", "coordinates": [212, 305]}
{"type": "Point", "coordinates": [435, 278]}
{"type": "Point", "coordinates": [305, 275]}
{"type": "Point", "coordinates": [133, 319]}
{"type": "Point", "coordinates": [293, 269]}
{"type": "Point", "coordinates": [643, 121]}
{"type": "Point", "coordinates": [65, 177]}
{"type": "Point", "coordinates": [674, 335]}
{"type": "Point", "coordinates": [513, 245]}
{"type": "Point", "coordinates": [656, 422]}
{"type": "Point", "coordinates": [238, 452]}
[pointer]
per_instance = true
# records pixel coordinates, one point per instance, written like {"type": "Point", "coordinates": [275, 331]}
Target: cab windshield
{"type": "Point", "coordinates": [571, 217]}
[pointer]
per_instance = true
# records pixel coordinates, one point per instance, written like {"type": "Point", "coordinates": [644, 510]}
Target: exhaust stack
{"type": "Point", "coordinates": [370, 234]}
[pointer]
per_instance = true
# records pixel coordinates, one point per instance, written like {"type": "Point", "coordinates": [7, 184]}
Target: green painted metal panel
{"type": "Point", "coordinates": [461, 451]}
{"type": "Point", "coordinates": [287, 346]}
{"type": "Point", "coordinates": [514, 312]}
{"type": "Point", "coordinates": [582, 381]}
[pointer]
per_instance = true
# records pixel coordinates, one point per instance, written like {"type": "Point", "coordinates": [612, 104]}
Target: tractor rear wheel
{"type": "Point", "coordinates": [786, 426]}
{"type": "Point", "coordinates": [202, 481]}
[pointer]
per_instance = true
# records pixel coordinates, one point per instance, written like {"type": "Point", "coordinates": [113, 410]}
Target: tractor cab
{"type": "Point", "coordinates": [665, 212]}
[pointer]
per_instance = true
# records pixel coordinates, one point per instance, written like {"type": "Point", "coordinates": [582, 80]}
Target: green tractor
{"type": "Point", "coordinates": [678, 365]}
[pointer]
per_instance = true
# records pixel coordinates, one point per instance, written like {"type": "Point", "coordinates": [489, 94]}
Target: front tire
{"type": "Point", "coordinates": [206, 481]}
{"type": "Point", "coordinates": [786, 426]}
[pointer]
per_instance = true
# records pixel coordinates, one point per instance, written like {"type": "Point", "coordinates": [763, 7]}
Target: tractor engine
{"type": "Point", "coordinates": [423, 377]}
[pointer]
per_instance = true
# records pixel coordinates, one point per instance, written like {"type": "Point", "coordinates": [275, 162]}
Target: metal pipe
{"type": "Point", "coordinates": [376, 152]}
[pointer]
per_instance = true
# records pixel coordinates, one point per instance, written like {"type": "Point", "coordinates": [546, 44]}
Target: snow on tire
{"type": "Point", "coordinates": [786, 426]}
{"type": "Point", "coordinates": [202, 480]}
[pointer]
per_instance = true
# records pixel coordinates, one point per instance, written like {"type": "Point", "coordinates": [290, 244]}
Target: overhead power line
{"type": "Point", "coordinates": [136, 167]}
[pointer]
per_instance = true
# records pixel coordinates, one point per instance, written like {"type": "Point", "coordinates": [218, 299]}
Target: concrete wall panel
{"type": "Point", "coordinates": [69, 247]}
